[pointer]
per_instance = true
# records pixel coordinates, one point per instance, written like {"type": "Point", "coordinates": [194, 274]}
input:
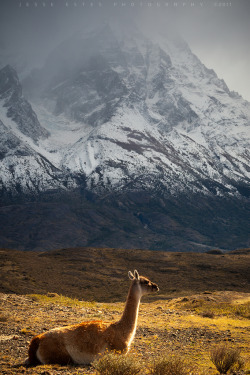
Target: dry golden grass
{"type": "Point", "coordinates": [226, 359]}
{"type": "Point", "coordinates": [116, 364]}
{"type": "Point", "coordinates": [170, 365]}
{"type": "Point", "coordinates": [165, 328]}
{"type": "Point", "coordinates": [69, 286]}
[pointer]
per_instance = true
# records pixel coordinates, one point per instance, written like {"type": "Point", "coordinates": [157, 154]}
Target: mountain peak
{"type": "Point", "coordinates": [145, 103]}
{"type": "Point", "coordinates": [16, 108]}
{"type": "Point", "coordinates": [9, 83]}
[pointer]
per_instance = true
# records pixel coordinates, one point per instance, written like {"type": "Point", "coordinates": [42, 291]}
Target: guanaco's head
{"type": "Point", "coordinates": [142, 284]}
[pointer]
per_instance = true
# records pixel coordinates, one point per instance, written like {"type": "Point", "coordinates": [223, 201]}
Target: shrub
{"type": "Point", "coordinates": [167, 365]}
{"type": "Point", "coordinates": [3, 318]}
{"type": "Point", "coordinates": [208, 314]}
{"type": "Point", "coordinates": [113, 363]}
{"type": "Point", "coordinates": [52, 295]}
{"type": "Point", "coordinates": [243, 310]}
{"type": "Point", "coordinates": [225, 358]}
{"type": "Point", "coordinates": [215, 252]}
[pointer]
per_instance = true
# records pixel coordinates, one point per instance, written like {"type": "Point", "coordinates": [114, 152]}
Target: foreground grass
{"type": "Point", "coordinates": [172, 329]}
{"type": "Point", "coordinates": [116, 364]}
{"type": "Point", "coordinates": [226, 359]}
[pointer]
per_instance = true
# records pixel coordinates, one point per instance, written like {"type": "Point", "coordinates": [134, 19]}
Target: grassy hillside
{"type": "Point", "coordinates": [101, 274]}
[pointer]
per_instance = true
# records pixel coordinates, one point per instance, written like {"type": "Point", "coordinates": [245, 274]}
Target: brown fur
{"type": "Point", "coordinates": [82, 343]}
{"type": "Point", "coordinates": [52, 344]}
{"type": "Point", "coordinates": [33, 361]}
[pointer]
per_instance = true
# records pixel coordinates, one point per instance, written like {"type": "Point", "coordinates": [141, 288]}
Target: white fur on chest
{"type": "Point", "coordinates": [131, 337]}
{"type": "Point", "coordinates": [81, 357]}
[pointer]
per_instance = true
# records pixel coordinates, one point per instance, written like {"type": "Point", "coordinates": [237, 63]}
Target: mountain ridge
{"type": "Point", "coordinates": [136, 106]}
{"type": "Point", "coordinates": [123, 115]}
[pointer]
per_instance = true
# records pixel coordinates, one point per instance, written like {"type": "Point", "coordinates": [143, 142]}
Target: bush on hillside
{"type": "Point", "coordinates": [225, 359]}
{"type": "Point", "coordinates": [167, 365]}
{"type": "Point", "coordinates": [112, 363]}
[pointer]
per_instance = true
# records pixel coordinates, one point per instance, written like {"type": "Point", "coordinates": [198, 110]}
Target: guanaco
{"type": "Point", "coordinates": [83, 343]}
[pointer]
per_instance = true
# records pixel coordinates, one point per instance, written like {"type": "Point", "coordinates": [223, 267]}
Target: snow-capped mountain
{"type": "Point", "coordinates": [148, 113]}
{"type": "Point", "coordinates": [18, 109]}
{"type": "Point", "coordinates": [23, 168]}
{"type": "Point", "coordinates": [119, 112]}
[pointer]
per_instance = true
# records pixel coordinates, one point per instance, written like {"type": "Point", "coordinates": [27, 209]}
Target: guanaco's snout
{"type": "Point", "coordinates": [155, 287]}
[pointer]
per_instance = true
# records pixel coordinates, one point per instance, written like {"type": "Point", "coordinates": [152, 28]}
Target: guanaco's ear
{"type": "Point", "coordinates": [136, 275]}
{"type": "Point", "coordinates": [130, 275]}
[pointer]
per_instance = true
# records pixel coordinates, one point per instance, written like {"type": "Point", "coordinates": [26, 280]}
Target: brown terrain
{"type": "Point", "coordinates": [204, 300]}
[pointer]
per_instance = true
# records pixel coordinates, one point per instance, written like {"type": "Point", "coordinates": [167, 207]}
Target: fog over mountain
{"type": "Point", "coordinates": [216, 31]}
{"type": "Point", "coordinates": [114, 133]}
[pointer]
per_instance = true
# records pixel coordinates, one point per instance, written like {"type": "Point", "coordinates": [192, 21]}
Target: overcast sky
{"type": "Point", "coordinates": [218, 32]}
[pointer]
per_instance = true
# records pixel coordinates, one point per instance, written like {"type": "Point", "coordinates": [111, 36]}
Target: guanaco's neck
{"type": "Point", "coordinates": [128, 321]}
